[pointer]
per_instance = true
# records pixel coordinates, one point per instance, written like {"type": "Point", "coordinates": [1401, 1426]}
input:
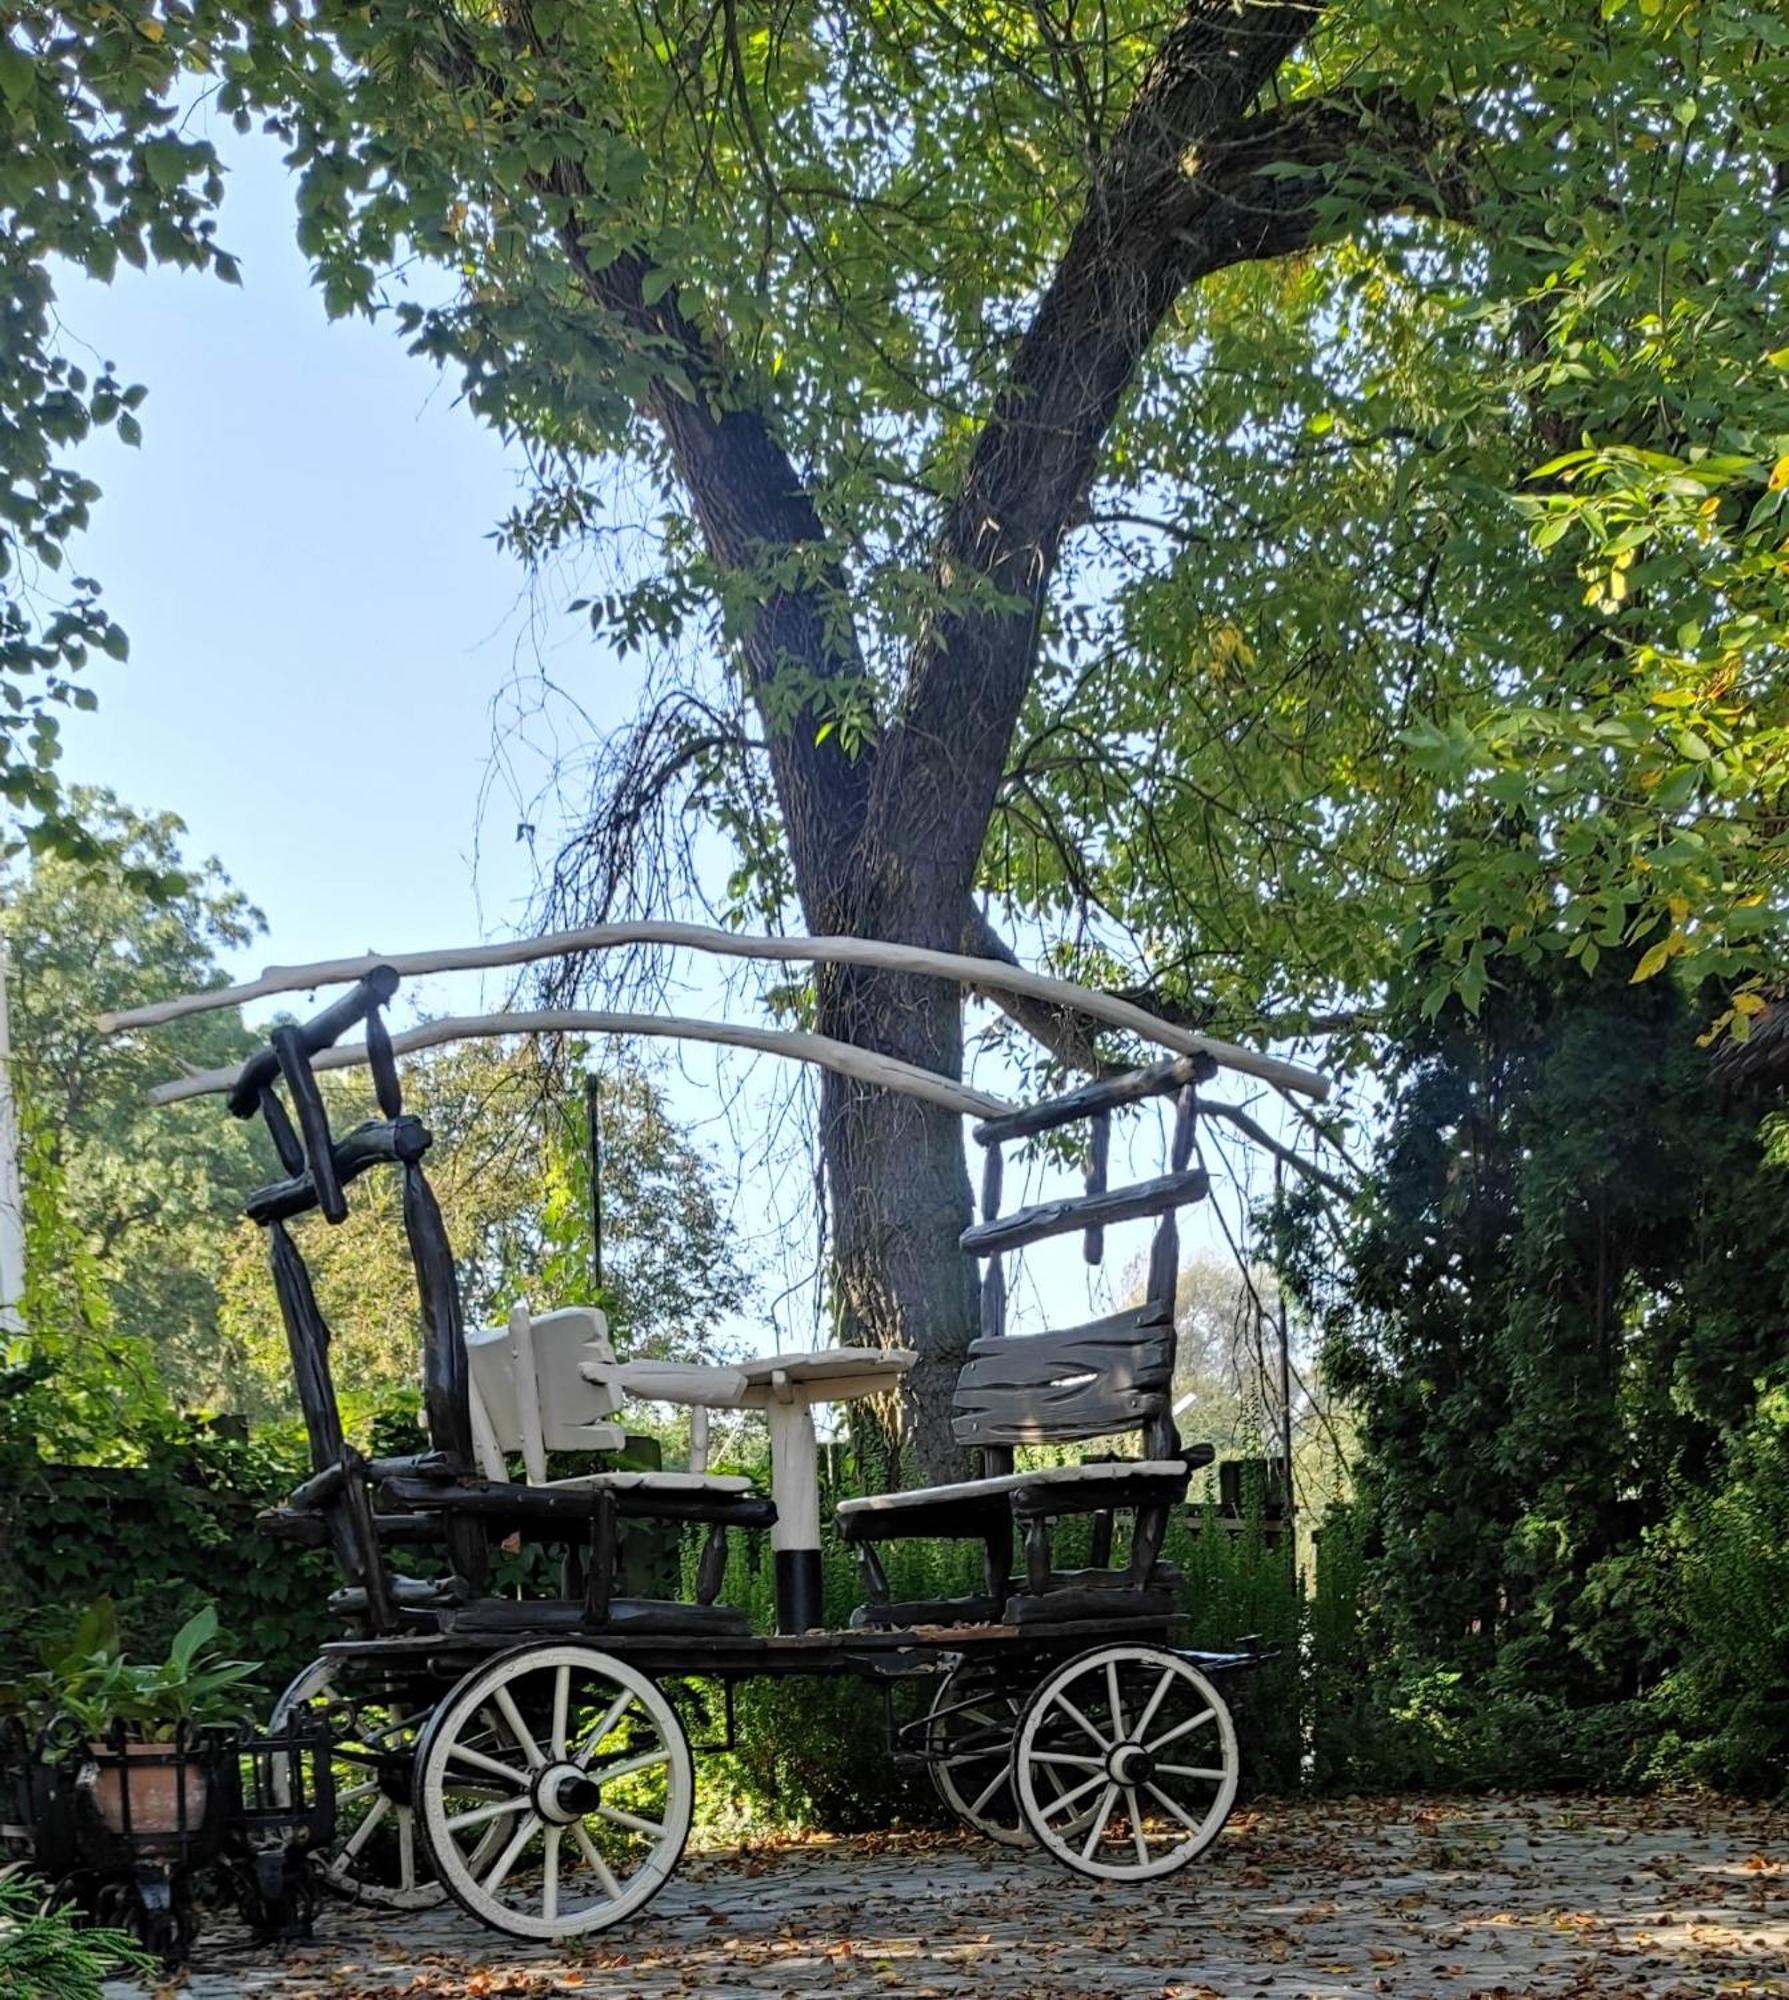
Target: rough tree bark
{"type": "Point", "coordinates": [887, 844]}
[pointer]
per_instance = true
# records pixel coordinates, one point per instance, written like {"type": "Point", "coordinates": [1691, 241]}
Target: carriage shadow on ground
{"type": "Point", "coordinates": [1598, 1899]}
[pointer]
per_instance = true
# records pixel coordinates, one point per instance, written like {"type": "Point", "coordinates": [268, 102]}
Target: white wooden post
{"type": "Point", "coordinates": [12, 1201]}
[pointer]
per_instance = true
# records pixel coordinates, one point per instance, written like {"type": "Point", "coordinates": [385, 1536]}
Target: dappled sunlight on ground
{"type": "Point", "coordinates": [1464, 1900]}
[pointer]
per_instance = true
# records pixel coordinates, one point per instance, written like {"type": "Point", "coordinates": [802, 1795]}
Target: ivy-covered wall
{"type": "Point", "coordinates": [160, 1539]}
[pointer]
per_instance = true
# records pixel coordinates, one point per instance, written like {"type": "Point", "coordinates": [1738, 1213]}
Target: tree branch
{"type": "Point", "coordinates": [934, 783]}
{"type": "Point", "coordinates": [756, 517]}
{"type": "Point", "coordinates": [1191, 186]}
{"type": "Point", "coordinates": [1066, 1034]}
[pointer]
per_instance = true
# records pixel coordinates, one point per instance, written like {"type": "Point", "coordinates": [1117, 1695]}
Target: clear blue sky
{"type": "Point", "coordinates": [319, 622]}
{"type": "Point", "coordinates": [320, 628]}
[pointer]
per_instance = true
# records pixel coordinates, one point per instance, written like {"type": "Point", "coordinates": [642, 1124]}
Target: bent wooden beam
{"type": "Point", "coordinates": [864, 1064]}
{"type": "Point", "coordinates": [986, 973]}
{"type": "Point", "coordinates": [1054, 1218]}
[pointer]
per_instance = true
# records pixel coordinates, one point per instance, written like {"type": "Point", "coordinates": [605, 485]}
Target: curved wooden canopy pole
{"type": "Point", "coordinates": [864, 1064]}
{"type": "Point", "coordinates": [987, 973]}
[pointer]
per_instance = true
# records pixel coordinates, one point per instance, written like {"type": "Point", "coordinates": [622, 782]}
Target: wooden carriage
{"type": "Point", "coordinates": [522, 1753]}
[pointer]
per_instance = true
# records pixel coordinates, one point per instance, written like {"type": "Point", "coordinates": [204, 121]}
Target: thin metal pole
{"type": "Point", "coordinates": [12, 1204]}
{"type": "Point", "coordinates": [593, 1151]}
{"type": "Point", "coordinates": [1285, 1370]}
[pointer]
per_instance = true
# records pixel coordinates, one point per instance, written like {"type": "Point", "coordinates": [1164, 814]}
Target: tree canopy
{"type": "Point", "coordinates": [1183, 477]}
{"type": "Point", "coordinates": [1395, 388]}
{"type": "Point", "coordinates": [1436, 467]}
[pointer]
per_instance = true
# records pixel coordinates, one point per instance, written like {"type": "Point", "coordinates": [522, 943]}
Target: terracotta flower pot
{"type": "Point", "coordinates": [156, 1790]}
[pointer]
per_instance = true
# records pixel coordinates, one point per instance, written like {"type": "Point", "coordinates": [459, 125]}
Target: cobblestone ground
{"type": "Point", "coordinates": [1596, 1900]}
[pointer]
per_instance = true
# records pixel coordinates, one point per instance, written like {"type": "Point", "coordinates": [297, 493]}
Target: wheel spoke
{"type": "Point", "coordinates": [647, 1760]}
{"type": "Point", "coordinates": [1069, 1709]}
{"type": "Point", "coordinates": [1193, 1771]}
{"type": "Point", "coordinates": [1169, 1677]}
{"type": "Point", "coordinates": [1068, 1757]}
{"type": "Point", "coordinates": [1137, 1840]}
{"type": "Point", "coordinates": [512, 1716]}
{"type": "Point", "coordinates": [1191, 1825]}
{"type": "Point", "coordinates": [617, 1709]}
{"type": "Point", "coordinates": [511, 1855]}
{"type": "Point", "coordinates": [1181, 1729]}
{"type": "Point", "coordinates": [1119, 1732]}
{"type": "Point", "coordinates": [993, 1785]}
{"type": "Point", "coordinates": [465, 1754]}
{"type": "Point", "coordinates": [1065, 1799]}
{"type": "Point", "coordinates": [481, 1814]}
{"type": "Point", "coordinates": [561, 1703]}
{"type": "Point", "coordinates": [594, 1861]}
{"type": "Point", "coordinates": [549, 1861]}
{"type": "Point", "coordinates": [616, 1817]}
{"type": "Point", "coordinates": [364, 1831]}
{"type": "Point", "coordinates": [1100, 1818]}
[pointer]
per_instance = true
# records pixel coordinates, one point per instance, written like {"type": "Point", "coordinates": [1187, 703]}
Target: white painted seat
{"type": "Point", "coordinates": [1104, 1472]}
{"type": "Point", "coordinates": [529, 1394]}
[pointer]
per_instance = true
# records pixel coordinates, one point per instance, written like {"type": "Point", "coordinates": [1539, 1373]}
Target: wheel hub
{"type": "Point", "coordinates": [563, 1793]}
{"type": "Point", "coordinates": [1131, 1764]}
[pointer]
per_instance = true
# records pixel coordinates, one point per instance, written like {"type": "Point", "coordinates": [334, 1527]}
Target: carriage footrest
{"type": "Point", "coordinates": [626, 1614]}
{"type": "Point", "coordinates": [1052, 1607]}
{"type": "Point", "coordinates": [928, 1611]}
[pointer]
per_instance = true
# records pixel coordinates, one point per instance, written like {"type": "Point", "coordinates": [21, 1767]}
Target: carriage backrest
{"type": "Point", "coordinates": [1112, 1375]}
{"type": "Point", "coordinates": [528, 1395]}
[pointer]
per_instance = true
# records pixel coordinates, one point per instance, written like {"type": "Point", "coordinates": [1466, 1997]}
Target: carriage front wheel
{"type": "Point", "coordinates": [1125, 1763]}
{"type": "Point", "coordinates": [580, 1764]}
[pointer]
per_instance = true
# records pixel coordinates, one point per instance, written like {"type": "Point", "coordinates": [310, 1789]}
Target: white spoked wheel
{"type": "Point", "coordinates": [376, 1857]}
{"type": "Point", "coordinates": [1148, 1750]}
{"type": "Point", "coordinates": [969, 1748]}
{"type": "Point", "coordinates": [580, 1765]}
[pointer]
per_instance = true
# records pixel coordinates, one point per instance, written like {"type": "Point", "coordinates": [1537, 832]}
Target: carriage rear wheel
{"type": "Point", "coordinates": [376, 1857]}
{"type": "Point", "coordinates": [969, 1745]}
{"type": "Point", "coordinates": [1125, 1763]}
{"type": "Point", "coordinates": [554, 1788]}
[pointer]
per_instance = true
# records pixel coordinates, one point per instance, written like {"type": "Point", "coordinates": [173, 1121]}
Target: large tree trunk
{"type": "Point", "coordinates": [886, 845]}
{"type": "Point", "coordinates": [899, 1195]}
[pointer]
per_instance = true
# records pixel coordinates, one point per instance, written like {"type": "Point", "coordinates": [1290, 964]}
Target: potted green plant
{"type": "Point", "coordinates": [144, 1723]}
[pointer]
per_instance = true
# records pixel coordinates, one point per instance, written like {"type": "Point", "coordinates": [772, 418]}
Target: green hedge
{"type": "Point", "coordinates": [160, 1539]}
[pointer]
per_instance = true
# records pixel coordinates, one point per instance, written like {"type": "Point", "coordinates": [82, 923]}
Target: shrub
{"type": "Point", "coordinates": [45, 1953]}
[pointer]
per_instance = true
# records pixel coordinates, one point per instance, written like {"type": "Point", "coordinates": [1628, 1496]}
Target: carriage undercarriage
{"type": "Point", "coordinates": [548, 1787]}
{"type": "Point", "coordinates": [532, 1758]}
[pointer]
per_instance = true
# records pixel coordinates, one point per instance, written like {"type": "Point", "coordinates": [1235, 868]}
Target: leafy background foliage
{"type": "Point", "coordinates": [1560, 1326]}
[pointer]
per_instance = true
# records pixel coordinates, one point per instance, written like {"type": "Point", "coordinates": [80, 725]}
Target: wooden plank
{"type": "Point", "coordinates": [1105, 1094]}
{"type": "Point", "coordinates": [1056, 1218]}
{"type": "Point", "coordinates": [571, 1508]}
{"type": "Point", "coordinates": [313, 1122]}
{"type": "Point", "coordinates": [375, 988]}
{"type": "Point", "coordinates": [1053, 1388]}
{"type": "Point", "coordinates": [988, 975]}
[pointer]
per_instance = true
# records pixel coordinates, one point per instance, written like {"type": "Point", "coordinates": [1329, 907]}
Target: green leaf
{"type": "Point", "coordinates": [1655, 960]}
{"type": "Point", "coordinates": [165, 161]}
{"type": "Point", "coordinates": [18, 73]}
